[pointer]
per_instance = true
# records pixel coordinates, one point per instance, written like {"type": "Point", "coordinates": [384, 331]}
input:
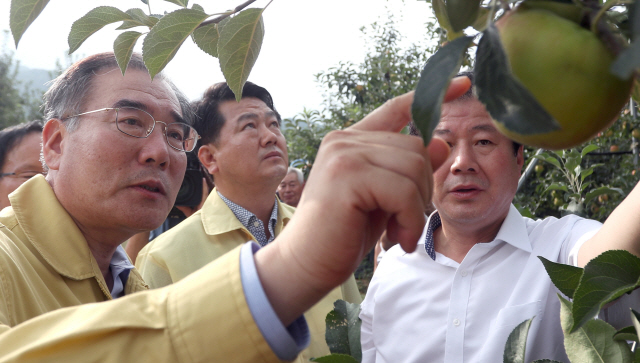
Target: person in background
{"type": "Point", "coordinates": [290, 188]}
{"type": "Point", "coordinates": [244, 150]}
{"type": "Point", "coordinates": [20, 147]}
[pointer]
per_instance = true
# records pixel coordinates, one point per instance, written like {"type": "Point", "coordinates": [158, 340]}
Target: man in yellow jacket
{"type": "Point", "coordinates": [245, 151]}
{"type": "Point", "coordinates": [115, 148]}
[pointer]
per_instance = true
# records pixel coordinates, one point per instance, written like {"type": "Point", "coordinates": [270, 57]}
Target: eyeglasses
{"type": "Point", "coordinates": [23, 174]}
{"type": "Point", "coordinates": [139, 123]}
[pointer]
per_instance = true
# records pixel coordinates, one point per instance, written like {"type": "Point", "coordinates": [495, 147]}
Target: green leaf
{"type": "Point", "coordinates": [565, 277]}
{"type": "Point", "coordinates": [182, 3]}
{"type": "Point", "coordinates": [93, 21]}
{"type": "Point", "coordinates": [440, 11]}
{"type": "Point", "coordinates": [592, 342]}
{"type": "Point", "coordinates": [556, 186]}
{"type": "Point", "coordinates": [462, 13]}
{"type": "Point", "coordinates": [506, 99]}
{"type": "Point", "coordinates": [589, 148]}
{"type": "Point", "coordinates": [628, 60]}
{"type": "Point", "coordinates": [239, 46]}
{"type": "Point", "coordinates": [628, 333]}
{"type": "Point", "coordinates": [432, 85]}
{"type": "Point", "coordinates": [123, 48]}
{"type": "Point", "coordinates": [343, 329]}
{"type": "Point", "coordinates": [605, 278]}
{"type": "Point", "coordinates": [572, 162]}
{"type": "Point", "coordinates": [586, 172]}
{"type": "Point", "coordinates": [140, 18]}
{"type": "Point", "coordinates": [336, 358]}
{"type": "Point", "coordinates": [545, 361]}
{"type": "Point", "coordinates": [481, 22]}
{"type": "Point", "coordinates": [586, 185]}
{"type": "Point", "coordinates": [516, 346]}
{"type": "Point", "coordinates": [197, 7]}
{"type": "Point", "coordinates": [166, 37]}
{"type": "Point", "coordinates": [206, 37]}
{"type": "Point", "coordinates": [599, 191]}
{"type": "Point", "coordinates": [22, 14]}
{"type": "Point", "coordinates": [549, 159]}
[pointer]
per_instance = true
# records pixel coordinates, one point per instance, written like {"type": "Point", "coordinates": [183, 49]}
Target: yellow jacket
{"type": "Point", "coordinates": [48, 278]}
{"type": "Point", "coordinates": [210, 233]}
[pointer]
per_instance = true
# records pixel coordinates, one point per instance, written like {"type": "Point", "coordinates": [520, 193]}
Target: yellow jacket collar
{"type": "Point", "coordinates": [44, 222]}
{"type": "Point", "coordinates": [217, 218]}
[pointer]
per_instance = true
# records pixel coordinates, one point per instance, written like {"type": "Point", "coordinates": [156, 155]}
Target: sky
{"type": "Point", "coordinates": [302, 38]}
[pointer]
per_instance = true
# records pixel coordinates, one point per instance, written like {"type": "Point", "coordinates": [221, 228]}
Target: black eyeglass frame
{"type": "Point", "coordinates": [198, 137]}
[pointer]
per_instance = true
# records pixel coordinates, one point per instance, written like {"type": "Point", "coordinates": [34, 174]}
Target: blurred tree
{"type": "Point", "coordinates": [18, 101]}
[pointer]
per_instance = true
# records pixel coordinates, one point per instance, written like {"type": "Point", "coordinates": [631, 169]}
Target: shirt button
{"type": "Point", "coordinates": [456, 322]}
{"type": "Point", "coordinates": [464, 273]}
{"type": "Point", "coordinates": [256, 224]}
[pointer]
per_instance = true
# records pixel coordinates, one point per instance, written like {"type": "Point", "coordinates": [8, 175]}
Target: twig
{"type": "Point", "coordinates": [226, 15]}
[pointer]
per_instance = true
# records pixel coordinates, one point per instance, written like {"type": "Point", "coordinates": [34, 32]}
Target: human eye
{"type": "Point", "coordinates": [249, 125]}
{"type": "Point", "coordinates": [176, 132]}
{"type": "Point", "coordinates": [132, 121]}
{"type": "Point", "coordinates": [484, 142]}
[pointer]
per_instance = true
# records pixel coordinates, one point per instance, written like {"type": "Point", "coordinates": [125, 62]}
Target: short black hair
{"type": "Point", "coordinates": [413, 130]}
{"type": "Point", "coordinates": [208, 119]}
{"type": "Point", "coordinates": [11, 137]}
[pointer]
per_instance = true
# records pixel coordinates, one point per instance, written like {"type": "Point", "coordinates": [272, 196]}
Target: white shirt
{"type": "Point", "coordinates": [420, 310]}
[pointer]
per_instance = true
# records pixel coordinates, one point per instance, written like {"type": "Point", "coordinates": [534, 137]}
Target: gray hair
{"type": "Point", "coordinates": [67, 94]}
{"type": "Point", "coordinates": [298, 172]}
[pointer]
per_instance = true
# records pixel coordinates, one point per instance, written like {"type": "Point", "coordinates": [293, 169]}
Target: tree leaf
{"type": "Point", "coordinates": [605, 278]}
{"type": "Point", "coordinates": [206, 37]}
{"type": "Point", "coordinates": [556, 186]}
{"type": "Point", "coordinates": [592, 342]}
{"type": "Point", "coordinates": [123, 48]}
{"type": "Point", "coordinates": [565, 277]}
{"type": "Point", "coordinates": [239, 46]}
{"type": "Point", "coordinates": [166, 37]}
{"type": "Point", "coordinates": [440, 11]}
{"type": "Point", "coordinates": [589, 148]}
{"type": "Point", "coordinates": [549, 159]}
{"type": "Point", "coordinates": [336, 358]}
{"type": "Point", "coordinates": [432, 85]}
{"type": "Point", "coordinates": [516, 346]}
{"type": "Point", "coordinates": [182, 3]}
{"type": "Point", "coordinates": [588, 171]}
{"type": "Point", "coordinates": [628, 333]}
{"type": "Point", "coordinates": [572, 162]}
{"type": "Point", "coordinates": [140, 18]}
{"type": "Point", "coordinates": [628, 60]}
{"type": "Point", "coordinates": [462, 13]}
{"type": "Point", "coordinates": [22, 14]}
{"type": "Point", "coordinates": [343, 329]}
{"type": "Point", "coordinates": [506, 99]}
{"type": "Point", "coordinates": [197, 7]}
{"type": "Point", "coordinates": [599, 191]}
{"type": "Point", "coordinates": [93, 21]}
{"type": "Point", "coordinates": [481, 22]}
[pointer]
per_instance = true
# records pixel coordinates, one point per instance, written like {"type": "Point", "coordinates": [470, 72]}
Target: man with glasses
{"type": "Point", "coordinates": [59, 240]}
{"type": "Point", "coordinates": [19, 157]}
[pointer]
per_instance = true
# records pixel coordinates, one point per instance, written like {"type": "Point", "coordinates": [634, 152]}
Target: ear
{"type": "Point", "coordinates": [520, 157]}
{"type": "Point", "coordinates": [54, 134]}
{"type": "Point", "coordinates": [207, 155]}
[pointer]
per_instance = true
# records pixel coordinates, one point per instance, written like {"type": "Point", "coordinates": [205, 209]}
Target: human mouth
{"type": "Point", "coordinates": [273, 154]}
{"type": "Point", "coordinates": [151, 187]}
{"type": "Point", "coordinates": [465, 191]}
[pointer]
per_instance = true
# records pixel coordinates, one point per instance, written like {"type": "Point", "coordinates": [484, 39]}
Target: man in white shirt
{"type": "Point", "coordinates": [476, 273]}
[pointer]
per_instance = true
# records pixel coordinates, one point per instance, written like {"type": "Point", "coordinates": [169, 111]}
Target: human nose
{"type": "Point", "coordinates": [156, 149]}
{"type": "Point", "coordinates": [464, 160]}
{"type": "Point", "coordinates": [267, 135]}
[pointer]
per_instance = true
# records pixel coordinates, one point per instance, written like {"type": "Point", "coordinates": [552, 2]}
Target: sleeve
{"type": "Point", "coordinates": [199, 319]}
{"type": "Point", "coordinates": [366, 329]}
{"type": "Point", "coordinates": [581, 231]}
{"type": "Point", "coordinates": [154, 272]}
